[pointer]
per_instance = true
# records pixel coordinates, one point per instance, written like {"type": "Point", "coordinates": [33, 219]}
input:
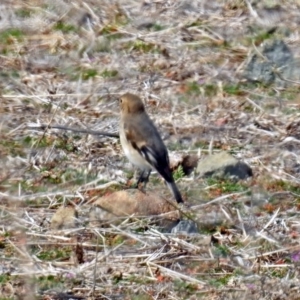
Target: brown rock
{"type": "Point", "coordinates": [64, 217]}
{"type": "Point", "coordinates": [187, 161]}
{"type": "Point", "coordinates": [135, 202]}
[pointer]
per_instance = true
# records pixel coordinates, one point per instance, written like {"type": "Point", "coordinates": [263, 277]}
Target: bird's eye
{"type": "Point", "coordinates": [120, 100]}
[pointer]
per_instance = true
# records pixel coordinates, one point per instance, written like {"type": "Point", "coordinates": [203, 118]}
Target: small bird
{"type": "Point", "coordinates": [142, 143]}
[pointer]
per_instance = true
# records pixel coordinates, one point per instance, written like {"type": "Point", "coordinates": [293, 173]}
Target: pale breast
{"type": "Point", "coordinates": [132, 154]}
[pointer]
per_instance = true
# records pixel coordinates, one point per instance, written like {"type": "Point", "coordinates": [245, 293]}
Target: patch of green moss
{"type": "Point", "coordinates": [281, 185]}
{"type": "Point", "coordinates": [227, 186]}
{"type": "Point", "coordinates": [65, 144]}
{"type": "Point", "coordinates": [79, 72]}
{"type": "Point", "coordinates": [221, 251]}
{"type": "Point", "coordinates": [12, 73]}
{"type": "Point", "coordinates": [57, 253]}
{"type": "Point", "coordinates": [176, 146]}
{"type": "Point", "coordinates": [56, 176]}
{"type": "Point", "coordinates": [76, 177]}
{"type": "Point", "coordinates": [39, 202]}
{"type": "Point", "coordinates": [28, 187]}
{"type": "Point", "coordinates": [141, 46]}
{"type": "Point", "coordinates": [11, 147]}
{"type": "Point", "coordinates": [288, 94]}
{"type": "Point", "coordinates": [50, 282]}
{"type": "Point", "coordinates": [259, 35]}
{"type": "Point", "coordinates": [88, 73]}
{"type": "Point", "coordinates": [141, 296]}
{"type": "Point", "coordinates": [138, 280]}
{"type": "Point", "coordinates": [193, 88]}
{"type": "Point", "coordinates": [220, 281]}
{"type": "Point", "coordinates": [64, 27]}
{"type": "Point", "coordinates": [186, 287]}
{"type": "Point", "coordinates": [37, 142]}
{"type": "Point", "coordinates": [109, 73]}
{"type": "Point", "coordinates": [279, 272]}
{"type": "Point", "coordinates": [196, 23]}
{"type": "Point", "coordinates": [23, 13]}
{"type": "Point", "coordinates": [8, 36]}
{"type": "Point", "coordinates": [233, 89]}
{"type": "Point", "coordinates": [178, 173]}
{"type": "Point", "coordinates": [111, 32]}
{"type": "Point", "coordinates": [157, 27]}
{"type": "Point", "coordinates": [200, 144]}
{"type": "Point", "coordinates": [117, 240]}
{"type": "Point", "coordinates": [4, 278]}
{"type": "Point", "coordinates": [210, 90]}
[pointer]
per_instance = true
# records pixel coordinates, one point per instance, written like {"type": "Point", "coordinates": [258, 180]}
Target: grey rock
{"type": "Point", "coordinates": [279, 63]}
{"type": "Point", "coordinates": [222, 165]}
{"type": "Point", "coordinates": [185, 227]}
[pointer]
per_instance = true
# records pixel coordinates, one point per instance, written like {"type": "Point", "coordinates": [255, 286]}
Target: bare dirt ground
{"type": "Point", "coordinates": [66, 63]}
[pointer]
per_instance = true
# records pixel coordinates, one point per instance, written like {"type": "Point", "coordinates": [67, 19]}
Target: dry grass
{"type": "Point", "coordinates": [66, 63]}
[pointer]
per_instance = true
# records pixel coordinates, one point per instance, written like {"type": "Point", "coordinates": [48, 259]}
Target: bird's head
{"type": "Point", "coordinates": [131, 104]}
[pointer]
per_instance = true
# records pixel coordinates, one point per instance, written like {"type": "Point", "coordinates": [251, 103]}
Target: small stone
{"type": "Point", "coordinates": [64, 217]}
{"type": "Point", "coordinates": [222, 165]}
{"type": "Point", "coordinates": [185, 227]}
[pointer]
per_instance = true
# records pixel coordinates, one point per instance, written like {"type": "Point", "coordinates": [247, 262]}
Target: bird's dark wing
{"type": "Point", "coordinates": [147, 141]}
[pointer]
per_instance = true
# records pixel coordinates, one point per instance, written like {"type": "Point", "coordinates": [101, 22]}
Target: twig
{"type": "Point", "coordinates": [88, 131]}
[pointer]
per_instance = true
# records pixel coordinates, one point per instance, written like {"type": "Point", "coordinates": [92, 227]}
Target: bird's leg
{"type": "Point", "coordinates": [143, 179]}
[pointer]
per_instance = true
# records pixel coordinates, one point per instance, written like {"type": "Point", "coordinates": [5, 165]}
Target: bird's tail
{"type": "Point", "coordinates": [173, 188]}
